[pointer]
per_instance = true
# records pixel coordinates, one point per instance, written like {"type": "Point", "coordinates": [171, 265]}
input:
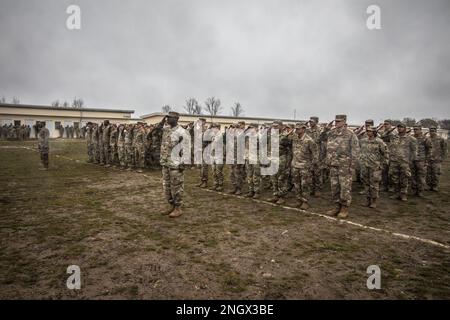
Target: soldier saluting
{"type": "Point", "coordinates": [342, 155]}
{"type": "Point", "coordinates": [172, 164]}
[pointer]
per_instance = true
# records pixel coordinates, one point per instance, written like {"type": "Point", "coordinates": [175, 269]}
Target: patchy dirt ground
{"type": "Point", "coordinates": [107, 222]}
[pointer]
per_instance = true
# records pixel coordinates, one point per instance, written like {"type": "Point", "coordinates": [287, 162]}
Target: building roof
{"type": "Point", "coordinates": [221, 116]}
{"type": "Point", "coordinates": [29, 106]}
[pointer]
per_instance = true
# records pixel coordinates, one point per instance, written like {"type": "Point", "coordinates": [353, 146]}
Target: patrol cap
{"type": "Point", "coordinates": [401, 124]}
{"type": "Point", "coordinates": [369, 121]}
{"type": "Point", "coordinates": [371, 128]}
{"type": "Point", "coordinates": [433, 128]}
{"type": "Point", "coordinates": [215, 125]}
{"type": "Point", "coordinates": [417, 127]}
{"type": "Point", "coordinates": [300, 125]}
{"type": "Point", "coordinates": [280, 123]}
{"type": "Point", "coordinates": [315, 119]}
{"type": "Point", "coordinates": [387, 121]}
{"type": "Point", "coordinates": [173, 114]}
{"type": "Point", "coordinates": [253, 125]}
{"type": "Point", "coordinates": [340, 117]}
{"type": "Point", "coordinates": [202, 119]}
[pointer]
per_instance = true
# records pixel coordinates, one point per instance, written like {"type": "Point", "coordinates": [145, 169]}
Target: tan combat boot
{"type": "Point", "coordinates": [238, 192]}
{"type": "Point", "coordinates": [256, 196]}
{"type": "Point", "coordinates": [373, 203]}
{"type": "Point", "coordinates": [280, 200]}
{"type": "Point", "coordinates": [274, 199]}
{"type": "Point", "coordinates": [250, 194]}
{"type": "Point", "coordinates": [367, 203]}
{"type": "Point", "coordinates": [403, 197]}
{"type": "Point", "coordinates": [168, 211]}
{"type": "Point", "coordinates": [176, 213]}
{"type": "Point", "coordinates": [334, 212]}
{"type": "Point", "coordinates": [343, 213]}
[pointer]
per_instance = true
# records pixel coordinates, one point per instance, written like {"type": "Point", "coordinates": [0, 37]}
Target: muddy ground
{"type": "Point", "coordinates": [107, 222]}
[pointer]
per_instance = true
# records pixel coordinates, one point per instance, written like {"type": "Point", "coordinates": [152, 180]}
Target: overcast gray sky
{"type": "Point", "coordinates": [316, 57]}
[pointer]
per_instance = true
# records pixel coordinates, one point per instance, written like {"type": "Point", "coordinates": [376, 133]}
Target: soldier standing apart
{"type": "Point", "coordinates": [252, 166]}
{"type": "Point", "coordinates": [342, 155]}
{"type": "Point", "coordinates": [172, 168]}
{"type": "Point", "coordinates": [43, 145]}
{"type": "Point", "coordinates": [418, 170]}
{"type": "Point", "coordinates": [305, 156]}
{"type": "Point", "coordinates": [314, 133]}
{"type": "Point", "coordinates": [438, 154]}
{"type": "Point", "coordinates": [403, 152]}
{"type": "Point", "coordinates": [374, 154]}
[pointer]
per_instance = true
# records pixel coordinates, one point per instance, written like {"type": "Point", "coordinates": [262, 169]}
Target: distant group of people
{"type": "Point", "coordinates": [71, 132]}
{"type": "Point", "coordinates": [15, 132]}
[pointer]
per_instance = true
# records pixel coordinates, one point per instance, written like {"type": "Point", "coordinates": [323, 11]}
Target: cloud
{"type": "Point", "coordinates": [316, 57]}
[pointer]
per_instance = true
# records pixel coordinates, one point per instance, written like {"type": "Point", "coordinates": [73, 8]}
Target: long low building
{"type": "Point", "coordinates": [225, 121]}
{"type": "Point", "coordinates": [22, 114]}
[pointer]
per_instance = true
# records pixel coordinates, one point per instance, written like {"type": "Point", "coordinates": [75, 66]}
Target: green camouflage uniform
{"type": "Point", "coordinates": [280, 179]}
{"type": "Point", "coordinates": [373, 155]}
{"type": "Point", "coordinates": [90, 143]}
{"type": "Point", "coordinates": [113, 145]}
{"type": "Point", "coordinates": [128, 141]}
{"type": "Point", "coordinates": [342, 155]}
{"type": "Point", "coordinates": [387, 137]}
{"type": "Point", "coordinates": [438, 154]}
{"type": "Point", "coordinates": [418, 170]}
{"type": "Point", "coordinates": [403, 152]}
{"type": "Point", "coordinates": [317, 168]}
{"type": "Point", "coordinates": [252, 168]}
{"type": "Point", "coordinates": [139, 148]}
{"type": "Point", "coordinates": [121, 147]}
{"type": "Point", "coordinates": [43, 145]}
{"type": "Point", "coordinates": [172, 169]}
{"type": "Point", "coordinates": [305, 156]}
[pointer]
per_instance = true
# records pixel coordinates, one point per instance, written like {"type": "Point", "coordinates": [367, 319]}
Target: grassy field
{"type": "Point", "coordinates": [107, 222]}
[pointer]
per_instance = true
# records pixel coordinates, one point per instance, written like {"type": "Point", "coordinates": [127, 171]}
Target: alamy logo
{"type": "Point", "coordinates": [73, 21]}
{"type": "Point", "coordinates": [374, 280]}
{"type": "Point", "coordinates": [373, 22]}
{"type": "Point", "coordinates": [74, 280]}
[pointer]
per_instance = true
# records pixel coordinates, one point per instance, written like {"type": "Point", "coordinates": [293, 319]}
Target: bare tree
{"type": "Point", "coordinates": [190, 105]}
{"type": "Point", "coordinates": [77, 103]}
{"type": "Point", "coordinates": [212, 106]}
{"type": "Point", "coordinates": [237, 110]}
{"type": "Point", "coordinates": [65, 104]}
{"type": "Point", "coordinates": [445, 124]}
{"type": "Point", "coordinates": [15, 100]}
{"type": "Point", "coordinates": [409, 122]}
{"type": "Point", "coordinates": [55, 103]}
{"type": "Point", "coordinates": [166, 108]}
{"type": "Point", "coordinates": [3, 99]}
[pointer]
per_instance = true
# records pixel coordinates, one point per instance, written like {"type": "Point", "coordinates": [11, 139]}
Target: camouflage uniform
{"type": "Point", "coordinates": [217, 165]}
{"type": "Point", "coordinates": [139, 148]}
{"type": "Point", "coordinates": [305, 156]}
{"type": "Point", "coordinates": [172, 170]}
{"type": "Point", "coordinates": [438, 154]}
{"type": "Point", "coordinates": [280, 179]}
{"type": "Point", "coordinates": [121, 146]}
{"type": "Point", "coordinates": [342, 155]}
{"type": "Point", "coordinates": [128, 141]}
{"type": "Point", "coordinates": [317, 168]}
{"type": "Point", "coordinates": [113, 145]}
{"type": "Point", "coordinates": [403, 152]}
{"type": "Point", "coordinates": [95, 144]}
{"type": "Point", "coordinates": [252, 167]}
{"type": "Point", "coordinates": [237, 171]}
{"type": "Point", "coordinates": [90, 143]}
{"type": "Point", "coordinates": [418, 170]}
{"type": "Point", "coordinates": [43, 145]}
{"type": "Point", "coordinates": [387, 136]}
{"type": "Point", "coordinates": [373, 155]}
{"type": "Point", "coordinates": [105, 143]}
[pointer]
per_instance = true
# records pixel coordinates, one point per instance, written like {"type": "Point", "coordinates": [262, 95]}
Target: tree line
{"type": "Point", "coordinates": [212, 106]}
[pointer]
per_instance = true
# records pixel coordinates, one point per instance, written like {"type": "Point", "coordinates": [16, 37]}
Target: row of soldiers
{"type": "Point", "coordinates": [128, 146]}
{"type": "Point", "coordinates": [15, 132]}
{"type": "Point", "coordinates": [393, 157]}
{"type": "Point", "coordinates": [307, 155]}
